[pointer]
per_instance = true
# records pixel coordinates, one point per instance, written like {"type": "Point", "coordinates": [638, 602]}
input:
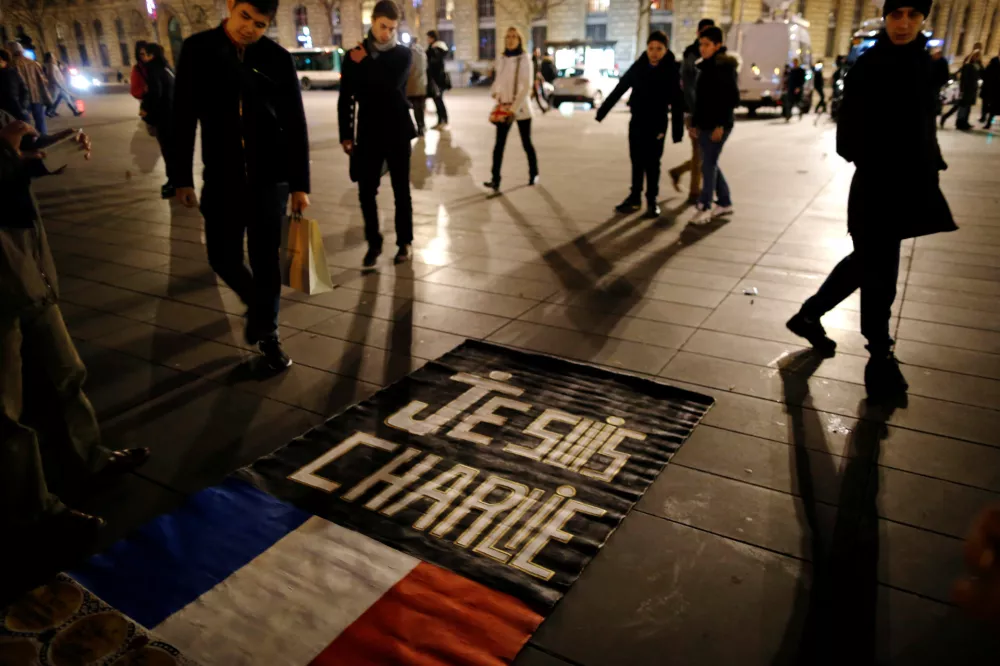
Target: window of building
{"type": "Point", "coordinates": [802, 7]}
{"type": "Point", "coordinates": [81, 44]}
{"type": "Point", "coordinates": [598, 6]}
{"type": "Point", "coordinates": [448, 37]}
{"type": "Point", "coordinates": [445, 10]}
{"type": "Point", "coordinates": [122, 42]}
{"type": "Point", "coordinates": [487, 43]}
{"type": "Point", "coordinates": [303, 36]}
{"type": "Point", "coordinates": [662, 5]}
{"type": "Point", "coordinates": [487, 9]}
{"type": "Point", "coordinates": [597, 32]}
{"type": "Point", "coordinates": [727, 10]}
{"type": "Point", "coordinates": [665, 28]}
{"type": "Point", "coordinates": [272, 31]}
{"type": "Point", "coordinates": [831, 30]}
{"type": "Point", "coordinates": [102, 48]}
{"type": "Point", "coordinates": [539, 35]}
{"type": "Point", "coordinates": [859, 7]}
{"type": "Point", "coordinates": [367, 7]}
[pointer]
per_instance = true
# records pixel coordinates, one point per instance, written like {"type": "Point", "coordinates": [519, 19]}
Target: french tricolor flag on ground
{"type": "Point", "coordinates": [237, 576]}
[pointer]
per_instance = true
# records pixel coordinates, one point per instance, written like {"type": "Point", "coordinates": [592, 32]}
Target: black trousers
{"type": "Point", "coordinates": [418, 104]}
{"type": "Point", "coordinates": [873, 267]}
{"type": "Point", "coordinates": [645, 149]}
{"type": "Point", "coordinates": [524, 129]}
{"type": "Point", "coordinates": [822, 100]}
{"type": "Point", "coordinates": [442, 111]}
{"type": "Point", "coordinates": [255, 212]}
{"type": "Point", "coordinates": [164, 137]}
{"type": "Point", "coordinates": [397, 156]}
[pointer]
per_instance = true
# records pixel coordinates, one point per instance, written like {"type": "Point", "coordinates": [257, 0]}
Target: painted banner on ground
{"type": "Point", "coordinates": [437, 522]}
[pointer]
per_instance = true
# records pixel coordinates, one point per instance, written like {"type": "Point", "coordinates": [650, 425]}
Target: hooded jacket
{"type": "Point", "coordinates": [656, 95]}
{"type": "Point", "coordinates": [437, 81]}
{"type": "Point", "coordinates": [717, 93]}
{"type": "Point", "coordinates": [887, 128]}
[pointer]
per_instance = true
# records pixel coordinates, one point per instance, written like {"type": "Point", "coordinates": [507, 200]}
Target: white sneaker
{"type": "Point", "coordinates": [702, 217]}
{"type": "Point", "coordinates": [719, 211]}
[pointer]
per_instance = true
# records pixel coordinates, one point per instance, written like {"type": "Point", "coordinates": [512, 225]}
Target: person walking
{"type": "Point", "coordinates": [13, 92]}
{"type": "Point", "coordinates": [656, 95]}
{"type": "Point", "coordinates": [244, 90]}
{"type": "Point", "coordinates": [57, 88]}
{"type": "Point", "coordinates": [438, 80]}
{"type": "Point", "coordinates": [887, 129]}
{"type": "Point", "coordinates": [968, 85]}
{"type": "Point", "coordinates": [511, 86]}
{"type": "Point", "coordinates": [157, 106]}
{"type": "Point", "coordinates": [416, 85]}
{"type": "Point", "coordinates": [538, 83]}
{"type": "Point", "coordinates": [378, 135]}
{"type": "Point", "coordinates": [991, 92]}
{"type": "Point", "coordinates": [137, 79]}
{"type": "Point", "coordinates": [795, 83]}
{"type": "Point", "coordinates": [689, 81]}
{"type": "Point", "coordinates": [34, 79]}
{"type": "Point", "coordinates": [940, 75]}
{"type": "Point", "coordinates": [717, 96]}
{"type": "Point", "coordinates": [819, 85]}
{"type": "Point", "coordinates": [34, 343]}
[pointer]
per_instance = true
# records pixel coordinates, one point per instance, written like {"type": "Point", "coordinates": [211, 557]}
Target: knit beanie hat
{"type": "Point", "coordinates": [922, 6]}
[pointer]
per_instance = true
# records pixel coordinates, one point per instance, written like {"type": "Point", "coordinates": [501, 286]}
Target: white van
{"type": "Point", "coordinates": [764, 49]}
{"type": "Point", "coordinates": [318, 67]}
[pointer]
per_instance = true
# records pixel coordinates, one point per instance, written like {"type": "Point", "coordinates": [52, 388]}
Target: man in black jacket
{"type": "Point", "coordinates": [13, 92]}
{"type": "Point", "coordinates": [244, 90]}
{"type": "Point", "coordinates": [717, 95]}
{"type": "Point", "coordinates": [374, 77]}
{"type": "Point", "coordinates": [794, 87]}
{"type": "Point", "coordinates": [887, 129]}
{"type": "Point", "coordinates": [689, 81]}
{"type": "Point", "coordinates": [437, 77]}
{"type": "Point", "coordinates": [656, 93]}
{"type": "Point", "coordinates": [819, 85]}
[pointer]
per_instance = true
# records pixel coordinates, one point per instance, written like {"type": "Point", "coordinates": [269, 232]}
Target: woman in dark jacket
{"type": "Point", "coordinates": [887, 129]}
{"type": "Point", "coordinates": [656, 94]}
{"type": "Point", "coordinates": [968, 87]}
{"type": "Point", "coordinates": [991, 91]}
{"type": "Point", "coordinates": [157, 105]}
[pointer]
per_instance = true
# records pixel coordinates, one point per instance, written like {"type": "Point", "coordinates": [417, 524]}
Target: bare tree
{"type": "Point", "coordinates": [645, 9]}
{"type": "Point", "coordinates": [31, 14]}
{"type": "Point", "coordinates": [332, 8]}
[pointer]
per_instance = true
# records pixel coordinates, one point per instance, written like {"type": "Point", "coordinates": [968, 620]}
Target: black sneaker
{"type": "Point", "coordinates": [403, 255]}
{"type": "Point", "coordinates": [813, 331]}
{"type": "Point", "coordinates": [534, 180]}
{"type": "Point", "coordinates": [273, 356]}
{"type": "Point", "coordinates": [630, 205]}
{"type": "Point", "coordinates": [883, 378]}
{"type": "Point", "coordinates": [371, 256]}
{"type": "Point", "coordinates": [653, 211]}
{"type": "Point", "coordinates": [492, 185]}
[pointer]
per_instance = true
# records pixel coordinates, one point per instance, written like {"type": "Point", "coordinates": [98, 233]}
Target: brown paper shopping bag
{"type": "Point", "coordinates": [303, 258]}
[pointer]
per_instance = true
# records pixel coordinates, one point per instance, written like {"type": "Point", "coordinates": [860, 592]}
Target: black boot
{"type": "Point", "coordinates": [631, 204]}
{"type": "Point", "coordinates": [492, 184]}
{"type": "Point", "coordinates": [883, 379]}
{"type": "Point", "coordinates": [371, 256]}
{"type": "Point", "coordinates": [813, 331]}
{"type": "Point", "coordinates": [274, 357]}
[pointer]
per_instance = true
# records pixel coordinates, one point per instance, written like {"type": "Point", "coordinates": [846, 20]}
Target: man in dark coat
{"type": "Point", "coordinates": [437, 78]}
{"type": "Point", "coordinates": [244, 90]}
{"type": "Point", "coordinates": [374, 78]}
{"type": "Point", "coordinates": [940, 74]}
{"type": "Point", "coordinates": [157, 106]}
{"type": "Point", "coordinates": [991, 91]}
{"type": "Point", "coordinates": [13, 92]}
{"type": "Point", "coordinates": [795, 84]}
{"type": "Point", "coordinates": [887, 129]}
{"type": "Point", "coordinates": [819, 85]}
{"type": "Point", "coordinates": [656, 95]}
{"type": "Point", "coordinates": [689, 80]}
{"type": "Point", "coordinates": [968, 89]}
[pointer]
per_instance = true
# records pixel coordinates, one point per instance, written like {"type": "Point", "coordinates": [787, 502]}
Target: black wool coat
{"type": "Point", "coordinates": [656, 96]}
{"type": "Point", "coordinates": [887, 128]}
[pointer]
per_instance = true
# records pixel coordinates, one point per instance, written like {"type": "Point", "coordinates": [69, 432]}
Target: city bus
{"type": "Point", "coordinates": [318, 67]}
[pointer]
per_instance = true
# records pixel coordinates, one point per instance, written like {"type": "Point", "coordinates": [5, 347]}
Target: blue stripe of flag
{"type": "Point", "coordinates": [173, 560]}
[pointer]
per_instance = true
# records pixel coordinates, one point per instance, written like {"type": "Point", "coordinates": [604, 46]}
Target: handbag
{"type": "Point", "coordinates": [502, 114]}
{"type": "Point", "coordinates": [303, 257]}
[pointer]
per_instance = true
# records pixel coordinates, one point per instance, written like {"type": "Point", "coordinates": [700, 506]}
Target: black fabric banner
{"type": "Point", "coordinates": [509, 468]}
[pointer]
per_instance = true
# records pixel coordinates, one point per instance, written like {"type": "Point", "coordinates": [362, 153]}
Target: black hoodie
{"type": "Point", "coordinates": [717, 92]}
{"type": "Point", "coordinates": [656, 92]}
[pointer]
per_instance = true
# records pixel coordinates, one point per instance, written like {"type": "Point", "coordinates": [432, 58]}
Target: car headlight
{"type": "Point", "coordinates": [79, 82]}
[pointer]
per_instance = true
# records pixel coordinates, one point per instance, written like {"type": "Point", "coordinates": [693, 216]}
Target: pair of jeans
{"type": "Point", "coordinates": [524, 129]}
{"type": "Point", "coordinates": [419, 104]}
{"type": "Point", "coordinates": [442, 111]}
{"type": "Point", "coordinates": [713, 182]}
{"type": "Point", "coordinates": [36, 344]}
{"type": "Point", "coordinates": [257, 212]}
{"type": "Point", "coordinates": [963, 116]}
{"type": "Point", "coordinates": [164, 137]}
{"type": "Point", "coordinates": [873, 267]}
{"type": "Point", "coordinates": [63, 96]}
{"type": "Point", "coordinates": [645, 149]}
{"type": "Point", "coordinates": [38, 115]}
{"type": "Point", "coordinates": [396, 155]}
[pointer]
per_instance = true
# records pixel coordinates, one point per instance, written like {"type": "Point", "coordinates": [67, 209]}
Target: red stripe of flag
{"type": "Point", "coordinates": [433, 617]}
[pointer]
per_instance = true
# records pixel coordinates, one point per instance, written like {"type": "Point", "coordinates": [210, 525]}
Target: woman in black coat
{"type": "Point", "coordinates": [887, 129]}
{"type": "Point", "coordinates": [991, 91]}
{"type": "Point", "coordinates": [157, 107]}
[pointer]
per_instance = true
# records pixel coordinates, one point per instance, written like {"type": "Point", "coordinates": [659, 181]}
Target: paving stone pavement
{"type": "Point", "coordinates": [717, 563]}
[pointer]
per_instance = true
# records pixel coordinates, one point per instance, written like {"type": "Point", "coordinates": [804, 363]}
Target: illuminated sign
{"type": "Point", "coordinates": [151, 9]}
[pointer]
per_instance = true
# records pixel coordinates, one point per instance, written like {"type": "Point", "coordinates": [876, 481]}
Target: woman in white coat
{"type": "Point", "coordinates": [512, 88]}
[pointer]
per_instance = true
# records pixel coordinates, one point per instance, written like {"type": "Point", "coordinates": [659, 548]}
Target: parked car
{"type": "Point", "coordinates": [577, 85]}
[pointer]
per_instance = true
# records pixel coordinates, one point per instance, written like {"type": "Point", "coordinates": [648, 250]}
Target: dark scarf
{"type": "Point", "coordinates": [511, 53]}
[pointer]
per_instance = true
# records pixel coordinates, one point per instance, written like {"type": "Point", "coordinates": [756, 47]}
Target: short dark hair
{"type": "Point", "coordinates": [5, 55]}
{"type": "Point", "coordinates": [657, 36]}
{"type": "Point", "coordinates": [433, 34]}
{"type": "Point", "coordinates": [713, 34]}
{"type": "Point", "coordinates": [139, 46]}
{"type": "Point", "coordinates": [705, 23]}
{"type": "Point", "coordinates": [266, 7]}
{"type": "Point", "coordinates": [386, 8]}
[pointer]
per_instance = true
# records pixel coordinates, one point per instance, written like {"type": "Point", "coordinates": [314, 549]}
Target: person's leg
{"type": "Point", "coordinates": [721, 186]}
{"type": "Point", "coordinates": [38, 114]}
{"type": "Point", "coordinates": [963, 116]}
{"type": "Point", "coordinates": [636, 153]}
{"type": "Point", "coordinates": [24, 494]}
{"type": "Point", "coordinates": [164, 137]}
{"type": "Point", "coordinates": [399, 175]}
{"type": "Point", "coordinates": [224, 231]}
{"type": "Point", "coordinates": [695, 190]}
{"type": "Point", "coordinates": [654, 153]}
{"type": "Point", "coordinates": [709, 168]}
{"type": "Point", "coordinates": [503, 129]}
{"type": "Point", "coordinates": [949, 113]}
{"type": "Point", "coordinates": [878, 269]}
{"type": "Point", "coordinates": [263, 251]}
{"type": "Point", "coordinates": [369, 179]}
{"type": "Point", "coordinates": [442, 111]}
{"type": "Point", "coordinates": [524, 129]}
{"type": "Point", "coordinates": [418, 113]}
{"type": "Point", "coordinates": [842, 281]}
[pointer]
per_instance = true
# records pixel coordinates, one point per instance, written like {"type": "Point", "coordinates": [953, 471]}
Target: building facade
{"type": "Point", "coordinates": [101, 34]}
